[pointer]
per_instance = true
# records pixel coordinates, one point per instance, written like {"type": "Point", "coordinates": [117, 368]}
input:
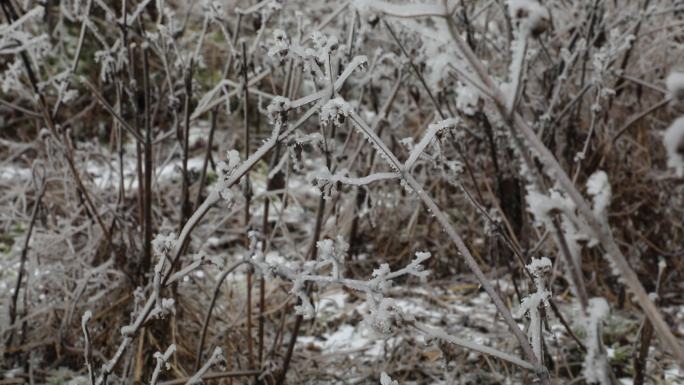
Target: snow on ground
{"type": "Point", "coordinates": [336, 309]}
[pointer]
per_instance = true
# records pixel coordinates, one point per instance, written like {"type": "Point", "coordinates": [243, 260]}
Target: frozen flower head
{"type": "Point", "coordinates": [277, 110]}
{"type": "Point", "coordinates": [532, 17]}
{"type": "Point", "coordinates": [10, 79]}
{"type": "Point", "coordinates": [335, 253]}
{"type": "Point", "coordinates": [323, 45]}
{"type": "Point", "coordinates": [383, 318]}
{"type": "Point", "coordinates": [540, 267]}
{"type": "Point", "coordinates": [225, 170]}
{"type": "Point", "coordinates": [675, 85]}
{"type": "Point", "coordinates": [279, 46]}
{"type": "Point", "coordinates": [214, 8]}
{"type": "Point", "coordinates": [163, 244]}
{"type": "Point", "coordinates": [335, 111]}
{"type": "Point", "coordinates": [674, 145]}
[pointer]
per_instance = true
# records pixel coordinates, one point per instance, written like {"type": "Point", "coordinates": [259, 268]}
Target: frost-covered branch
{"type": "Point", "coordinates": [432, 130]}
{"type": "Point", "coordinates": [215, 359]}
{"type": "Point", "coordinates": [444, 336]}
{"type": "Point", "coordinates": [162, 363]}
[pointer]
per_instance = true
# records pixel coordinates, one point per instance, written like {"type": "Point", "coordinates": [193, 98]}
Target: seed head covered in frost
{"type": "Point", "coordinates": [674, 144]}
{"type": "Point", "coordinates": [335, 253]}
{"type": "Point", "coordinates": [10, 79]}
{"type": "Point", "coordinates": [675, 84]}
{"type": "Point", "coordinates": [163, 244]}
{"type": "Point", "coordinates": [533, 18]}
{"type": "Point", "coordinates": [599, 188]}
{"type": "Point", "coordinates": [278, 108]}
{"type": "Point", "coordinates": [335, 110]}
{"type": "Point", "coordinates": [324, 45]}
{"type": "Point", "coordinates": [539, 266]}
{"type": "Point", "coordinates": [280, 46]}
{"type": "Point", "coordinates": [225, 171]}
{"type": "Point", "coordinates": [383, 318]}
{"type": "Point", "coordinates": [540, 204]}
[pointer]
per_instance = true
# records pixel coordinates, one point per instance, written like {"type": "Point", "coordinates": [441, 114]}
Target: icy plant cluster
{"type": "Point", "coordinates": [328, 269]}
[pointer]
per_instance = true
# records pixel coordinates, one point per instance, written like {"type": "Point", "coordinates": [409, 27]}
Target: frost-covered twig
{"type": "Point", "coordinates": [326, 178]}
{"type": "Point", "coordinates": [162, 362]}
{"type": "Point", "coordinates": [444, 336]}
{"type": "Point", "coordinates": [215, 359]}
{"type": "Point", "coordinates": [429, 134]}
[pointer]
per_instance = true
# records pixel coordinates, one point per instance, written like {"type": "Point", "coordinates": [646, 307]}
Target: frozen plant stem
{"type": "Point", "coordinates": [311, 256]}
{"type": "Point", "coordinates": [39, 177]}
{"type": "Point", "coordinates": [185, 206]}
{"type": "Point", "coordinates": [162, 360]}
{"type": "Point", "coordinates": [207, 156]}
{"type": "Point", "coordinates": [248, 200]}
{"type": "Point", "coordinates": [207, 318]}
{"type": "Point", "coordinates": [216, 357]}
{"type": "Point", "coordinates": [444, 336]}
{"type": "Point", "coordinates": [147, 190]}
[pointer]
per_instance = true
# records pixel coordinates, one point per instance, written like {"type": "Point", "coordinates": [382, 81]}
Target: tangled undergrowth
{"type": "Point", "coordinates": [364, 191]}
